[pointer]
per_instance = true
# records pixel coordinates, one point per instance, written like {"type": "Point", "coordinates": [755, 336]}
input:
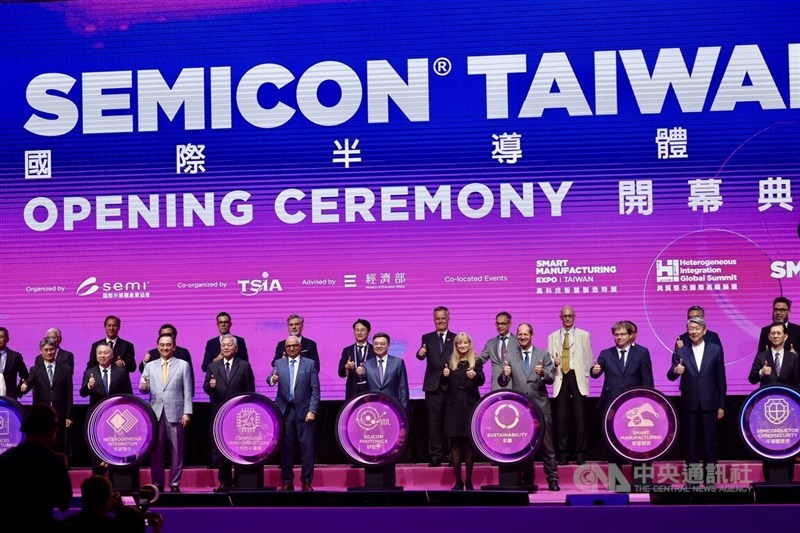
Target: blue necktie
{"type": "Point", "coordinates": [441, 343]}
{"type": "Point", "coordinates": [527, 362]}
{"type": "Point", "coordinates": [105, 380]}
{"type": "Point", "coordinates": [291, 379]}
{"type": "Point", "coordinates": [622, 360]}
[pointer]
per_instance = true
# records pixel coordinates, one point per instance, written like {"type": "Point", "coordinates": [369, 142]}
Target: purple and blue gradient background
{"type": "Point", "coordinates": [595, 152]}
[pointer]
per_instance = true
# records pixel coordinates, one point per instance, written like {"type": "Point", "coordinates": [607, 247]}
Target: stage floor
{"type": "Point", "coordinates": [574, 480]}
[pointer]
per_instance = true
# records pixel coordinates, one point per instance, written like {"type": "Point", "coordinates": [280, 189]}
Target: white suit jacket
{"type": "Point", "coordinates": [581, 357]}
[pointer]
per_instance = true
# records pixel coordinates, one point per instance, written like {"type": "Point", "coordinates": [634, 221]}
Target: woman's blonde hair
{"type": "Point", "coordinates": [471, 355]}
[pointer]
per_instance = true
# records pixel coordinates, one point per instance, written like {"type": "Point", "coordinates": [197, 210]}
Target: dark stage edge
{"type": "Point", "coordinates": [369, 498]}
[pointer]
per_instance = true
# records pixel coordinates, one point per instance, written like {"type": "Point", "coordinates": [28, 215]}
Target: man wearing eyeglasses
{"type": "Point", "coordinates": [497, 348]}
{"type": "Point", "coordinates": [781, 308]}
{"type": "Point", "coordinates": [571, 349]}
{"type": "Point", "coordinates": [355, 356]}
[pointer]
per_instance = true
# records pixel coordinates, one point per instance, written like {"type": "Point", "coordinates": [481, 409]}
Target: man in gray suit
{"type": "Point", "coordinates": [169, 382]}
{"type": "Point", "coordinates": [528, 369]}
{"type": "Point", "coordinates": [497, 348]}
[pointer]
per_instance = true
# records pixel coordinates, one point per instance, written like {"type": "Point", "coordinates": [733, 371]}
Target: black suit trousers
{"type": "Point", "coordinates": [434, 405]}
{"type": "Point", "coordinates": [571, 406]}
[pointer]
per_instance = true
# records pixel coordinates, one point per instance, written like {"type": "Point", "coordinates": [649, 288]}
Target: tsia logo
{"type": "Point", "coordinates": [785, 269]}
{"type": "Point", "coordinates": [251, 287]}
{"type": "Point", "coordinates": [113, 289]}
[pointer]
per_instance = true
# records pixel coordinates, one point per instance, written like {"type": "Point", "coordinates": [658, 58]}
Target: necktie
{"type": "Point", "coordinates": [565, 354]}
{"type": "Point", "coordinates": [622, 359]}
{"type": "Point", "coordinates": [777, 364]}
{"type": "Point", "coordinates": [164, 371]}
{"type": "Point", "coordinates": [111, 345]}
{"type": "Point", "coordinates": [380, 370]}
{"type": "Point", "coordinates": [291, 379]}
{"type": "Point", "coordinates": [50, 374]}
{"type": "Point", "coordinates": [227, 368]}
{"type": "Point", "coordinates": [441, 343]}
{"type": "Point", "coordinates": [503, 346]}
{"type": "Point", "coordinates": [527, 361]}
{"type": "Point", "coordinates": [105, 380]}
{"type": "Point", "coordinates": [359, 355]}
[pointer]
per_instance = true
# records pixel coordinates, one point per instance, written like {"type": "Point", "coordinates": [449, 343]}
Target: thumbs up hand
{"type": "Point", "coordinates": [679, 368]}
{"type": "Point", "coordinates": [596, 369]}
{"type": "Point", "coordinates": [90, 383]}
{"type": "Point", "coordinates": [506, 369]}
{"type": "Point", "coordinates": [212, 382]}
{"type": "Point", "coordinates": [446, 371]}
{"type": "Point", "coordinates": [471, 373]}
{"type": "Point", "coordinates": [766, 370]}
{"type": "Point", "coordinates": [678, 343]}
{"type": "Point", "coordinates": [350, 366]}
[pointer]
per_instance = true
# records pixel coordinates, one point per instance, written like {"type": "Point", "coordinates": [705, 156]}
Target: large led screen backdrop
{"type": "Point", "coordinates": [164, 161]}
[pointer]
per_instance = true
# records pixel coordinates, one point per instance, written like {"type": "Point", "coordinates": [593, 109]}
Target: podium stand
{"type": "Point", "coordinates": [247, 431]}
{"type": "Point", "coordinates": [121, 431]}
{"type": "Point", "coordinates": [372, 430]}
{"type": "Point", "coordinates": [125, 480]}
{"type": "Point", "coordinates": [510, 478]}
{"type": "Point", "coordinates": [769, 424]}
{"type": "Point", "coordinates": [640, 425]}
{"type": "Point", "coordinates": [508, 428]}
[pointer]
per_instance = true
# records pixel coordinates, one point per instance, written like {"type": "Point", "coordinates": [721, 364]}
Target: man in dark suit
{"type": "Point", "coordinates": [213, 354]}
{"type": "Point", "coordinates": [105, 379]}
{"type": "Point", "coordinates": [12, 366]}
{"type": "Point", "coordinates": [436, 349]}
{"type": "Point", "coordinates": [701, 369]}
{"type": "Point", "coordinates": [781, 308]}
{"type": "Point", "coordinates": [63, 357]}
{"type": "Point", "coordinates": [625, 365]}
{"type": "Point", "coordinates": [354, 356]}
{"type": "Point", "coordinates": [298, 400]}
{"type": "Point", "coordinates": [52, 384]}
{"type": "Point", "coordinates": [124, 353]}
{"type": "Point", "coordinates": [711, 337]}
{"type": "Point", "coordinates": [774, 366]}
{"type": "Point", "coordinates": [386, 373]}
{"type": "Point", "coordinates": [213, 351]}
{"type": "Point", "coordinates": [180, 352]}
{"type": "Point", "coordinates": [100, 382]}
{"type": "Point", "coordinates": [528, 369]}
{"type": "Point", "coordinates": [308, 348]}
{"type": "Point", "coordinates": [224, 380]}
